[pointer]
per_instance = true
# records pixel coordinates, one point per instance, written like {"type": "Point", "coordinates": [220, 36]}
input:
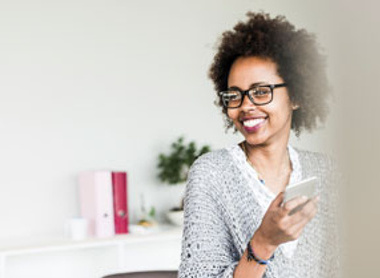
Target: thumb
{"type": "Point", "coordinates": [278, 200]}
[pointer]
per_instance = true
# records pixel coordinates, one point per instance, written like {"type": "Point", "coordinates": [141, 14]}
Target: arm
{"type": "Point", "coordinates": [207, 248]}
{"type": "Point", "coordinates": [251, 269]}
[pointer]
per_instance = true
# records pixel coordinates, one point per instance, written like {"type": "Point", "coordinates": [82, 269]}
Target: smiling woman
{"type": "Point", "coordinates": [270, 78]}
{"type": "Point", "coordinates": [273, 116]}
{"type": "Point", "coordinates": [296, 57]}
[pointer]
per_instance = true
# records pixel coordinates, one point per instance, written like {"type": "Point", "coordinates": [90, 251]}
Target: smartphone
{"type": "Point", "coordinates": [306, 187]}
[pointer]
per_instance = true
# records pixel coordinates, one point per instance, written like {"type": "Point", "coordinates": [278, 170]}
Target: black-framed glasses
{"type": "Point", "coordinates": [260, 94]}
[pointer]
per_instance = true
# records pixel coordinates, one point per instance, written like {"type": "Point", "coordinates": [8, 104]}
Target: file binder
{"type": "Point", "coordinates": [96, 202]}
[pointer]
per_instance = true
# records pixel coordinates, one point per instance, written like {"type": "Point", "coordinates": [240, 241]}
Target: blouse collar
{"type": "Point", "coordinates": [263, 195]}
{"type": "Point", "coordinates": [295, 176]}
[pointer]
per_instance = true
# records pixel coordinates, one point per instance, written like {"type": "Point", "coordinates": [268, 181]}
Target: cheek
{"type": "Point", "coordinates": [280, 115]}
{"type": "Point", "coordinates": [277, 116]}
{"type": "Point", "coordinates": [231, 114]}
{"type": "Point", "coordinates": [279, 109]}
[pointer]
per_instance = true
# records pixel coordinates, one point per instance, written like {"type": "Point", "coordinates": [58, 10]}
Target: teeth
{"type": "Point", "coordinates": [252, 123]}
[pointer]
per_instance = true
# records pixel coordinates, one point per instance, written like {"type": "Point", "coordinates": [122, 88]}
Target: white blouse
{"type": "Point", "coordinates": [263, 194]}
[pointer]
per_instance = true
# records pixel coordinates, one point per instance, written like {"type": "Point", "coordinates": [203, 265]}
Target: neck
{"type": "Point", "coordinates": [269, 160]}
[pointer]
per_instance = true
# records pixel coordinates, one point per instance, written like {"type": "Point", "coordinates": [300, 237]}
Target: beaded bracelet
{"type": "Point", "coordinates": [251, 256]}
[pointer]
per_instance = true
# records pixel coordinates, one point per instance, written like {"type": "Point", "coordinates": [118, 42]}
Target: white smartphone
{"type": "Point", "coordinates": [306, 187]}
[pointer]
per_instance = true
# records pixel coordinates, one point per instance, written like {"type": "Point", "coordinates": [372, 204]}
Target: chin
{"type": "Point", "coordinates": [256, 142]}
{"type": "Point", "coordinates": [256, 139]}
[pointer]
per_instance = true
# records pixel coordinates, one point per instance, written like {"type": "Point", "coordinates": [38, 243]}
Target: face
{"type": "Point", "coordinates": [266, 124]}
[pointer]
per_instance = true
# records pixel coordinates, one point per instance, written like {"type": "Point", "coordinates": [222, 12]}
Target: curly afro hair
{"type": "Point", "coordinates": [298, 59]}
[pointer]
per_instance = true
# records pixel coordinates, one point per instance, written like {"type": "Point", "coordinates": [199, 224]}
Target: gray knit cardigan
{"type": "Point", "coordinates": [220, 217]}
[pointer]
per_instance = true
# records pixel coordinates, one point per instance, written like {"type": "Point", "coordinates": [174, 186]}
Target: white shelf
{"type": "Point", "coordinates": [25, 246]}
{"type": "Point", "coordinates": [158, 248]}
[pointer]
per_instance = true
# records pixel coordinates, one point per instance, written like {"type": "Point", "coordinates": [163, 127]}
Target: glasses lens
{"type": "Point", "coordinates": [261, 95]}
{"type": "Point", "coordinates": [231, 98]}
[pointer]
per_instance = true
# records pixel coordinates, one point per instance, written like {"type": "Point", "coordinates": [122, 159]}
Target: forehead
{"type": "Point", "coordinates": [246, 71]}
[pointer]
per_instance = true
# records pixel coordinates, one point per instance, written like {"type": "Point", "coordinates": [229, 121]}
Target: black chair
{"type": "Point", "coordinates": [146, 274]}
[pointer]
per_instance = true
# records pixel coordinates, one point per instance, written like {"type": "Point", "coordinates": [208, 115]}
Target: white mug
{"type": "Point", "coordinates": [77, 228]}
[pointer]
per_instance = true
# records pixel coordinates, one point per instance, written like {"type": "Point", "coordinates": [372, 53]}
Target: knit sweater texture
{"type": "Point", "coordinates": [221, 215]}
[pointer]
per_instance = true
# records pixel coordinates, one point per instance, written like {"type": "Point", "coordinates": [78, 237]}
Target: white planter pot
{"type": "Point", "coordinates": [175, 217]}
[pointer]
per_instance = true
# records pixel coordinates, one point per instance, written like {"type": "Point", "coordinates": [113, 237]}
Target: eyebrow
{"type": "Point", "coordinates": [250, 86]}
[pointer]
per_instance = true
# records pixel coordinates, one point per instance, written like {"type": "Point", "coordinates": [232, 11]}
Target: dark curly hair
{"type": "Point", "coordinates": [296, 54]}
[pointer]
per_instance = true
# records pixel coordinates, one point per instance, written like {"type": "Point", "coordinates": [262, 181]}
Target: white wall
{"type": "Point", "coordinates": [110, 84]}
{"type": "Point", "coordinates": [358, 44]}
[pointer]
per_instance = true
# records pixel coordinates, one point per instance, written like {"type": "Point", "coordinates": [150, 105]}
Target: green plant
{"type": "Point", "coordinates": [152, 212]}
{"type": "Point", "coordinates": [148, 219]}
{"type": "Point", "coordinates": [174, 167]}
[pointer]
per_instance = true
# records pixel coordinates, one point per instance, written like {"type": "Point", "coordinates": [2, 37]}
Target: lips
{"type": "Point", "coordinates": [252, 124]}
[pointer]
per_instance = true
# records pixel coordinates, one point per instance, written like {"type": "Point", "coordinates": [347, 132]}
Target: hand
{"type": "Point", "coordinates": [286, 223]}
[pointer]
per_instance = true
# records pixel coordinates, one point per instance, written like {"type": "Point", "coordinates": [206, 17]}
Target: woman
{"type": "Point", "coordinates": [270, 78]}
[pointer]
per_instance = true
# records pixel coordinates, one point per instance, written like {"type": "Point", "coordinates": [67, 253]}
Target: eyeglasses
{"type": "Point", "coordinates": [258, 94]}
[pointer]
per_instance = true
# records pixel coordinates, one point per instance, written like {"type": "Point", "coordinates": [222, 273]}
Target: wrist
{"type": "Point", "coordinates": [262, 248]}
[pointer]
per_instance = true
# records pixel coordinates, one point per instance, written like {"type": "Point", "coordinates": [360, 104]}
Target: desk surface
{"type": "Point", "coordinates": [43, 244]}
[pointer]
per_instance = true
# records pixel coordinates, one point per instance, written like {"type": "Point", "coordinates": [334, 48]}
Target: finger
{"type": "Point", "coordinates": [278, 200]}
{"type": "Point", "coordinates": [313, 200]}
{"type": "Point", "coordinates": [293, 203]}
{"type": "Point", "coordinates": [302, 221]}
{"type": "Point", "coordinates": [298, 208]}
{"type": "Point", "coordinates": [306, 210]}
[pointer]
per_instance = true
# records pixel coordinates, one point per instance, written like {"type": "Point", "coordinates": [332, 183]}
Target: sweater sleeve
{"type": "Point", "coordinates": [334, 242]}
{"type": "Point", "coordinates": [207, 248]}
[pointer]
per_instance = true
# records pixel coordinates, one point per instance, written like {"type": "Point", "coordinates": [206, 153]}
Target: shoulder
{"type": "Point", "coordinates": [208, 169]}
{"type": "Point", "coordinates": [320, 164]}
{"type": "Point", "coordinates": [212, 161]}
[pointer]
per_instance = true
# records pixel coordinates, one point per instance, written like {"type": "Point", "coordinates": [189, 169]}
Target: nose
{"type": "Point", "coordinates": [247, 103]}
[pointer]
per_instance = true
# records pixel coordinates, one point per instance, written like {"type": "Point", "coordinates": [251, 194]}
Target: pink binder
{"type": "Point", "coordinates": [120, 202]}
{"type": "Point", "coordinates": [96, 202]}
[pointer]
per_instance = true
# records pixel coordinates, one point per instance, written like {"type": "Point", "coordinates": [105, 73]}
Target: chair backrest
{"type": "Point", "coordinates": [146, 274]}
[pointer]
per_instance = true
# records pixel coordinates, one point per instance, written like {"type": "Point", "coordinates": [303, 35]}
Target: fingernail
{"type": "Point", "coordinates": [318, 197]}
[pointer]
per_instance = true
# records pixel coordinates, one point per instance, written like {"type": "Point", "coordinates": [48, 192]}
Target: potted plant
{"type": "Point", "coordinates": [174, 168]}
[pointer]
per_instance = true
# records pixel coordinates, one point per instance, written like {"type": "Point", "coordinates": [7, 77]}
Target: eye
{"type": "Point", "coordinates": [231, 95]}
{"type": "Point", "coordinates": [261, 92]}
{"type": "Point", "coordinates": [231, 98]}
